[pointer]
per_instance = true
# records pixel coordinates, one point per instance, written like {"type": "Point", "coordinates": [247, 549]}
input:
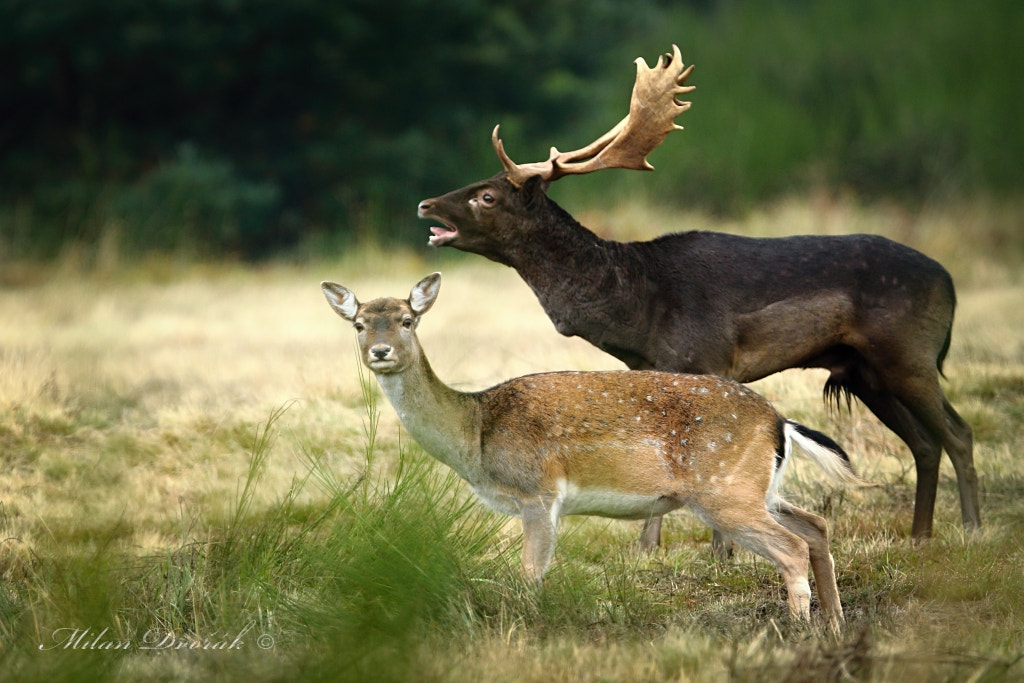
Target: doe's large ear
{"type": "Point", "coordinates": [341, 300]}
{"type": "Point", "coordinates": [422, 296]}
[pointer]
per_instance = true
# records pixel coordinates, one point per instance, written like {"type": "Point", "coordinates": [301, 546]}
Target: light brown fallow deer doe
{"type": "Point", "coordinates": [620, 444]}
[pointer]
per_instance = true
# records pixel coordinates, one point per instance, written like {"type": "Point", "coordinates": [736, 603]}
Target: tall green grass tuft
{"type": "Point", "coordinates": [392, 567]}
{"type": "Point", "coordinates": [345, 586]}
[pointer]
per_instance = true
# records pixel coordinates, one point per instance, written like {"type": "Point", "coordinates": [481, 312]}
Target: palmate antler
{"type": "Point", "coordinates": [652, 112]}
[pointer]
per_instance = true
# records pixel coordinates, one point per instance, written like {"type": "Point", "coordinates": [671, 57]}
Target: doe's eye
{"type": "Point", "coordinates": [359, 327]}
{"type": "Point", "coordinates": [407, 323]}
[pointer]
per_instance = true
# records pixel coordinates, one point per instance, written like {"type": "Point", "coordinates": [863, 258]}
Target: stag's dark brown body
{"type": "Point", "coordinates": [876, 314]}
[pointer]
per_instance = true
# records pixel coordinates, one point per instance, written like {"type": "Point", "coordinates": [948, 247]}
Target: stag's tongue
{"type": "Point", "coordinates": [441, 235]}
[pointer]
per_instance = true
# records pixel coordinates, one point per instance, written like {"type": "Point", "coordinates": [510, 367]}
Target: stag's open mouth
{"type": "Point", "coordinates": [442, 235]}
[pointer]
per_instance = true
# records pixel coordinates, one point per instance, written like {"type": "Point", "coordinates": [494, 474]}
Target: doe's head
{"type": "Point", "coordinates": [386, 327]}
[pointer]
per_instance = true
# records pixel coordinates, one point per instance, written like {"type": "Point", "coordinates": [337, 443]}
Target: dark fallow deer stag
{"type": "Point", "coordinates": [878, 315]}
{"type": "Point", "coordinates": [612, 444]}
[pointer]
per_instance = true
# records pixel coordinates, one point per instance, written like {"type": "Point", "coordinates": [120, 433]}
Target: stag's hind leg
{"type": "Point", "coordinates": [814, 531]}
{"type": "Point", "coordinates": [926, 449]}
{"type": "Point", "coordinates": [917, 410]}
{"type": "Point", "coordinates": [924, 398]}
{"type": "Point", "coordinates": [959, 444]}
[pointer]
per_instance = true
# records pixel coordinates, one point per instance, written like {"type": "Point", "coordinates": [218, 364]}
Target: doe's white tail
{"type": "Point", "coordinates": [825, 452]}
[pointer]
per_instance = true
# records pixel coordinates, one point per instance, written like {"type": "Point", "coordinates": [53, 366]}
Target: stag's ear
{"type": "Point", "coordinates": [341, 300]}
{"type": "Point", "coordinates": [534, 190]}
{"type": "Point", "coordinates": [422, 296]}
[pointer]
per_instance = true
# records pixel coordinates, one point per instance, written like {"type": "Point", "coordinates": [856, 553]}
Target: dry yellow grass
{"type": "Point", "coordinates": [130, 400]}
{"type": "Point", "coordinates": [150, 390]}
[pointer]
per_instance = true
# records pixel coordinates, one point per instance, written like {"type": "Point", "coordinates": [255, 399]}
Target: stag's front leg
{"type": "Point", "coordinates": [650, 540]}
{"type": "Point", "coordinates": [650, 535]}
{"type": "Point", "coordinates": [721, 546]}
{"type": "Point", "coordinates": [540, 519]}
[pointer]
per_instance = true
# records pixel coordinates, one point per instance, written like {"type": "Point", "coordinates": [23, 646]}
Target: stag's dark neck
{"type": "Point", "coordinates": [576, 275]}
{"type": "Point", "coordinates": [555, 241]}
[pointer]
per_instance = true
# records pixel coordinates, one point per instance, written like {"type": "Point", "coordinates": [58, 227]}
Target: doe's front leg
{"type": "Point", "coordinates": [540, 520]}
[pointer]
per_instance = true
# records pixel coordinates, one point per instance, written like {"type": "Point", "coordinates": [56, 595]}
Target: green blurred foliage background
{"type": "Point", "coordinates": [247, 127]}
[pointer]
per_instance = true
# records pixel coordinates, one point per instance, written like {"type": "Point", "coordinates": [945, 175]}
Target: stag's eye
{"type": "Point", "coordinates": [487, 198]}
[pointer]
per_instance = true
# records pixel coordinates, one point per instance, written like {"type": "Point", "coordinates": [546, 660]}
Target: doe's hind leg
{"type": "Point", "coordinates": [814, 531]}
{"type": "Point", "coordinates": [783, 548]}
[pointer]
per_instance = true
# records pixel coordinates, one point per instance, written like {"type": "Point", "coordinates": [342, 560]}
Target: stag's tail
{"type": "Point", "coordinates": [825, 452]}
{"type": "Point", "coordinates": [945, 349]}
{"type": "Point", "coordinates": [951, 293]}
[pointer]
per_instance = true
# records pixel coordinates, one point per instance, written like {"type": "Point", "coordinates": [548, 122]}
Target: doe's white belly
{"type": "Point", "coordinates": [573, 500]}
{"type": "Point", "coordinates": [498, 501]}
{"type": "Point", "coordinates": [604, 502]}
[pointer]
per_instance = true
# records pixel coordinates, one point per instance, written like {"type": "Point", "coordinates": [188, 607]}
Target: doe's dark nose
{"type": "Point", "coordinates": [380, 352]}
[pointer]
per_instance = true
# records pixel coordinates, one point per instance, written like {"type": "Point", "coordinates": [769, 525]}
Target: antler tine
{"type": "Point", "coordinates": [518, 173]}
{"type": "Point", "coordinates": [652, 112]}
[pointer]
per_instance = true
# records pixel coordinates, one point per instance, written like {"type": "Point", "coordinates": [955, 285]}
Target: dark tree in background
{"type": "Point", "coordinates": [245, 126]}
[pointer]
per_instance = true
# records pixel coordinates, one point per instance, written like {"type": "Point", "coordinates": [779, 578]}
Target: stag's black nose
{"type": "Point", "coordinates": [424, 206]}
{"type": "Point", "coordinates": [380, 352]}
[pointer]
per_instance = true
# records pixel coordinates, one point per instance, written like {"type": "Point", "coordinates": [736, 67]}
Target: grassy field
{"type": "Point", "coordinates": [199, 483]}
